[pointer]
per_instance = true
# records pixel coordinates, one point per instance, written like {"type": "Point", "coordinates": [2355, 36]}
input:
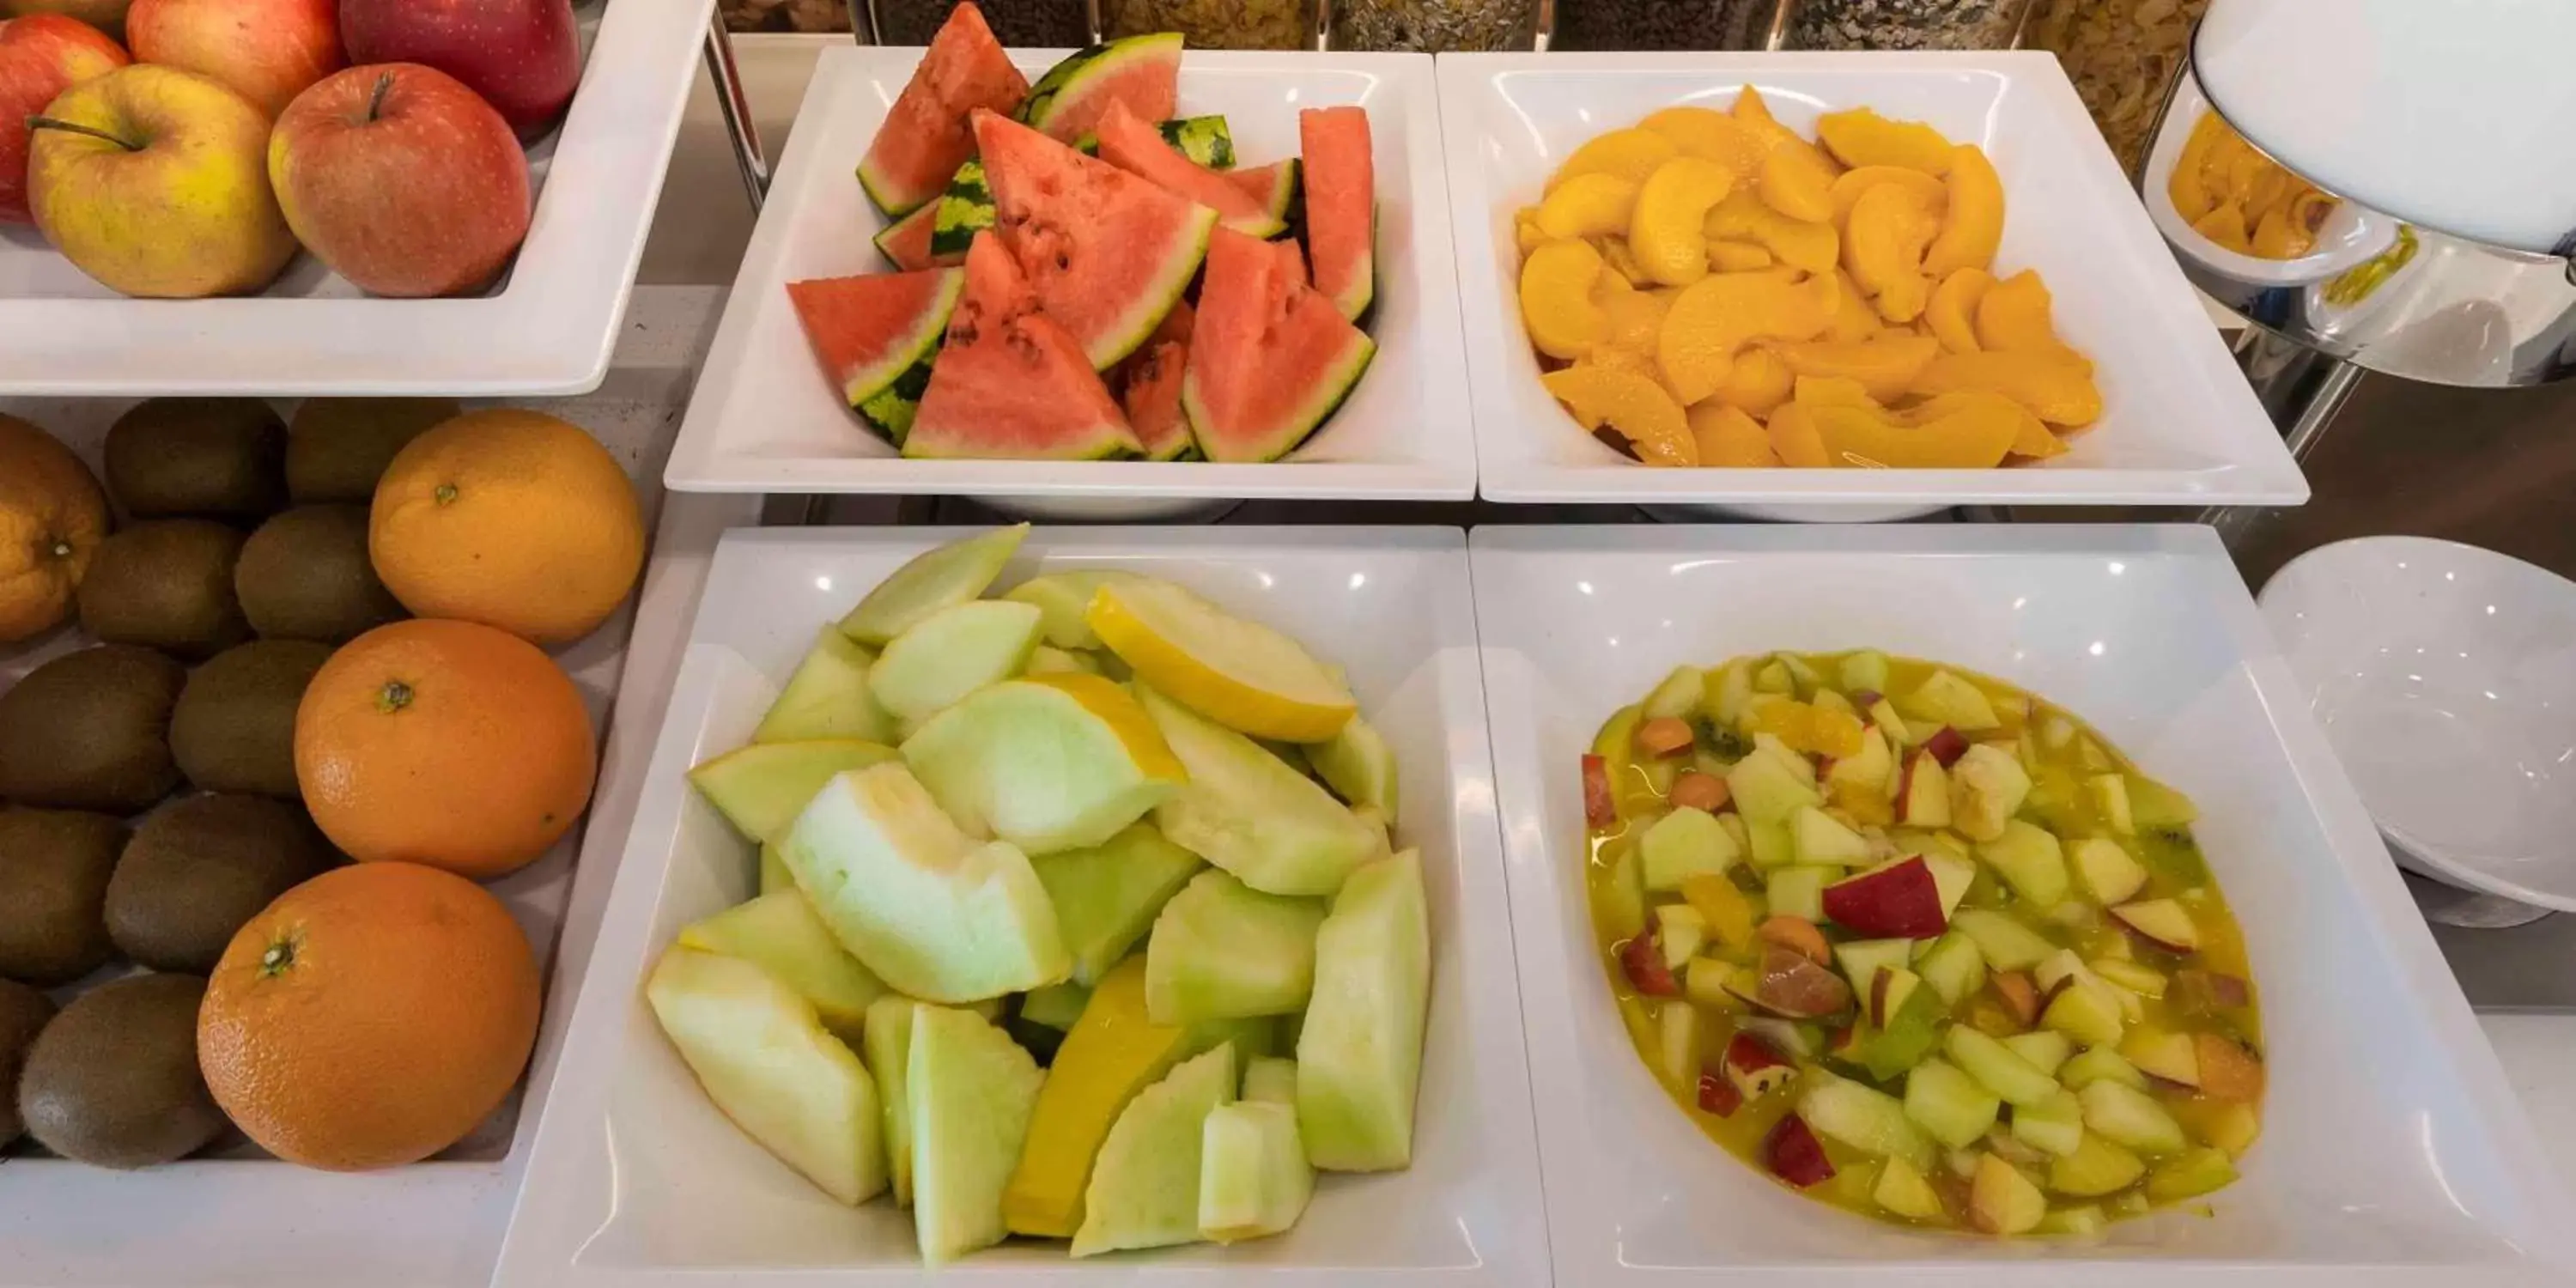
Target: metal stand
{"type": "Point", "coordinates": [736, 107]}
{"type": "Point", "coordinates": [2302, 389]}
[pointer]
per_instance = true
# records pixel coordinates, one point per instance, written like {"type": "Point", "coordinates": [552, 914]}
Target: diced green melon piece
{"type": "Point", "coordinates": [1987, 785]}
{"type": "Point", "coordinates": [2003, 1201]}
{"type": "Point", "coordinates": [1866, 669]}
{"type": "Point", "coordinates": [827, 697]}
{"type": "Point", "coordinates": [2054, 1126]}
{"type": "Point", "coordinates": [2097, 1167]}
{"type": "Point", "coordinates": [935, 579]}
{"type": "Point", "coordinates": [765, 1059]}
{"type": "Point", "coordinates": [1223, 950]}
{"type": "Point", "coordinates": [1144, 1190]}
{"type": "Point", "coordinates": [1903, 1190]}
{"type": "Point", "coordinates": [1952, 875]}
{"type": "Point", "coordinates": [782, 934]}
{"type": "Point", "coordinates": [1047, 762]}
{"type": "Point", "coordinates": [888, 1046]}
{"type": "Point", "coordinates": [2153, 805]}
{"type": "Point", "coordinates": [1767, 845]}
{"type": "Point", "coordinates": [1989, 1061]}
{"type": "Point", "coordinates": [1873, 770]}
{"type": "Point", "coordinates": [1622, 906]}
{"type": "Point", "coordinates": [1820, 838]}
{"type": "Point", "coordinates": [2097, 1065]}
{"type": "Point", "coordinates": [1868, 1120]}
{"type": "Point", "coordinates": [1359, 1057]}
{"type": "Point", "coordinates": [2029, 860]}
{"type": "Point", "coordinates": [1358, 765]}
{"type": "Point", "coordinates": [972, 1090]}
{"type": "Point", "coordinates": [1254, 1179]}
{"type": "Point", "coordinates": [1798, 891]}
{"type": "Point", "coordinates": [2191, 1175]}
{"type": "Point", "coordinates": [1911, 1034]}
{"type": "Point", "coordinates": [2080, 1222]}
{"type": "Point", "coordinates": [1724, 693]}
{"type": "Point", "coordinates": [933, 914]}
{"type": "Point", "coordinates": [1765, 790]}
{"type": "Point", "coordinates": [1269, 1078]}
{"type": "Point", "coordinates": [1064, 597]}
{"type": "Point", "coordinates": [1773, 677]}
{"type": "Point", "coordinates": [1953, 1107]}
{"type": "Point", "coordinates": [1047, 658]}
{"type": "Point", "coordinates": [760, 789]}
{"type": "Point", "coordinates": [774, 875]}
{"type": "Point", "coordinates": [2111, 800]}
{"type": "Point", "coordinates": [1112, 1052]}
{"type": "Point", "coordinates": [1681, 929]}
{"type": "Point", "coordinates": [1862, 959]}
{"type": "Point", "coordinates": [2127, 1116]}
{"type": "Point", "coordinates": [2086, 1010]}
{"type": "Point", "coordinates": [2005, 942]}
{"type": "Point", "coordinates": [1676, 697]}
{"type": "Point", "coordinates": [2106, 870]}
{"type": "Point", "coordinates": [1106, 896]}
{"type": "Point", "coordinates": [1953, 966]}
{"type": "Point", "coordinates": [2044, 1048]}
{"type": "Point", "coordinates": [1945, 699]}
{"type": "Point", "coordinates": [1684, 843]}
{"type": "Point", "coordinates": [1247, 812]}
{"type": "Point", "coordinates": [1057, 1006]}
{"type": "Point", "coordinates": [952, 653]}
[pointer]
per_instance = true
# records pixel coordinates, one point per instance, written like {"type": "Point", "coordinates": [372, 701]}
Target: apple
{"type": "Point", "coordinates": [1898, 899]}
{"type": "Point", "coordinates": [2019, 995]}
{"type": "Point", "coordinates": [1923, 792]}
{"type": "Point", "coordinates": [41, 55]}
{"type": "Point", "coordinates": [266, 50]}
{"type": "Point", "coordinates": [1754, 1069]}
{"type": "Point", "coordinates": [1794, 1155]}
{"type": "Point", "coordinates": [401, 180]}
{"type": "Point", "coordinates": [522, 56]}
{"type": "Point", "coordinates": [2003, 1201]}
{"type": "Point", "coordinates": [1718, 1096]}
{"type": "Point", "coordinates": [106, 15]}
{"type": "Point", "coordinates": [2162, 922]}
{"type": "Point", "coordinates": [2174, 1057]}
{"type": "Point", "coordinates": [2228, 1071]}
{"type": "Point", "coordinates": [149, 180]}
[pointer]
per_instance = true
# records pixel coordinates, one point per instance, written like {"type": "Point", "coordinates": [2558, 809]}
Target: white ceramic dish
{"type": "Point", "coordinates": [548, 329]}
{"type": "Point", "coordinates": [2393, 1149]}
{"type": "Point", "coordinates": [767, 419]}
{"type": "Point", "coordinates": [2445, 677]}
{"type": "Point", "coordinates": [2181, 426]}
{"type": "Point", "coordinates": [639, 1181]}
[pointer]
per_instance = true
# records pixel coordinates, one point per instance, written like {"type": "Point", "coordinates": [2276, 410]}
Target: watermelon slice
{"type": "Point", "coordinates": [877, 335]}
{"type": "Point", "coordinates": [906, 243]}
{"type": "Point", "coordinates": [1130, 143]}
{"type": "Point", "coordinates": [967, 207]}
{"type": "Point", "coordinates": [1272, 187]}
{"type": "Point", "coordinates": [1270, 358]}
{"type": "Point", "coordinates": [1292, 261]}
{"type": "Point", "coordinates": [1108, 253]}
{"type": "Point", "coordinates": [927, 133]}
{"type": "Point", "coordinates": [1011, 383]}
{"type": "Point", "coordinates": [1341, 205]}
{"type": "Point", "coordinates": [1144, 72]}
{"type": "Point", "coordinates": [1149, 387]}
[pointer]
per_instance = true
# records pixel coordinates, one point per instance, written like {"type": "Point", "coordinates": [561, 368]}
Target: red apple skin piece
{"type": "Point", "coordinates": [2213, 990]}
{"type": "Point", "coordinates": [1754, 1069]}
{"type": "Point", "coordinates": [1599, 809]}
{"type": "Point", "coordinates": [268, 51]}
{"type": "Point", "coordinates": [522, 56]}
{"type": "Point", "coordinates": [41, 55]}
{"type": "Point", "coordinates": [1897, 901]}
{"type": "Point", "coordinates": [401, 180]}
{"type": "Point", "coordinates": [2147, 919]}
{"type": "Point", "coordinates": [1946, 746]}
{"type": "Point", "coordinates": [1718, 1096]}
{"type": "Point", "coordinates": [1644, 962]}
{"type": "Point", "coordinates": [2019, 995]}
{"type": "Point", "coordinates": [1795, 1155]}
{"type": "Point", "coordinates": [2227, 1071]}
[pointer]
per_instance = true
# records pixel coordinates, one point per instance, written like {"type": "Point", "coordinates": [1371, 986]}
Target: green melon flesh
{"type": "Point", "coordinates": [1270, 359]}
{"type": "Point", "coordinates": [1142, 72]}
{"type": "Point", "coordinates": [774, 875]}
{"type": "Point", "coordinates": [1246, 811]}
{"type": "Point", "coordinates": [1358, 765]}
{"type": "Point", "coordinates": [766, 1061]}
{"type": "Point", "coordinates": [781, 934]}
{"type": "Point", "coordinates": [1106, 896]}
{"type": "Point", "coordinates": [887, 1044]}
{"type": "Point", "coordinates": [972, 1090]}
{"type": "Point", "coordinates": [1065, 598]}
{"type": "Point", "coordinates": [760, 789]}
{"type": "Point", "coordinates": [1272, 1079]}
{"type": "Point", "coordinates": [952, 653]}
{"type": "Point", "coordinates": [1144, 1190]}
{"type": "Point", "coordinates": [918, 902]}
{"type": "Point", "coordinates": [1222, 950]}
{"type": "Point", "coordinates": [827, 697]}
{"type": "Point", "coordinates": [1048, 763]}
{"type": "Point", "coordinates": [1254, 1179]}
{"type": "Point", "coordinates": [932, 580]}
{"type": "Point", "coordinates": [1359, 1058]}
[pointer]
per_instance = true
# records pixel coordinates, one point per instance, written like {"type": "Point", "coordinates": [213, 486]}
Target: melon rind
{"type": "Point", "coordinates": [967, 207]}
{"type": "Point", "coordinates": [1158, 293]}
{"type": "Point", "coordinates": [1069, 91]}
{"type": "Point", "coordinates": [898, 242]}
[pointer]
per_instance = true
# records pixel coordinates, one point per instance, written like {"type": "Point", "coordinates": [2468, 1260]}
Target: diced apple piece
{"type": "Point", "coordinates": [1223, 950]}
{"type": "Point", "coordinates": [782, 934]}
{"type": "Point", "coordinates": [2097, 1167]}
{"type": "Point", "coordinates": [1793, 1153]}
{"type": "Point", "coordinates": [1862, 959]}
{"type": "Point", "coordinates": [1768, 846]}
{"type": "Point", "coordinates": [2003, 1201]}
{"type": "Point", "coordinates": [1643, 963]}
{"type": "Point", "coordinates": [2086, 1010]}
{"type": "Point", "coordinates": [1722, 908]}
{"type": "Point", "coordinates": [1621, 909]}
{"type": "Point", "coordinates": [1766, 789]}
{"type": "Point", "coordinates": [1144, 1189]}
{"type": "Point", "coordinates": [2198, 1172]}
{"type": "Point", "coordinates": [1952, 1107]}
{"type": "Point", "coordinates": [1883, 717]}
{"type": "Point", "coordinates": [1953, 875]}
{"type": "Point", "coordinates": [1798, 891]}
{"type": "Point", "coordinates": [1359, 1055]}
{"type": "Point", "coordinates": [1911, 1032]}
{"type": "Point", "coordinates": [828, 697]}
{"type": "Point", "coordinates": [2110, 794]}
{"type": "Point", "coordinates": [1679, 930]}
{"type": "Point", "coordinates": [1253, 1176]}
{"type": "Point", "coordinates": [1245, 810]}
{"type": "Point", "coordinates": [1889, 991]}
{"type": "Point", "coordinates": [1753, 1068]}
{"type": "Point", "coordinates": [1999, 1138]}
{"type": "Point", "coordinates": [1945, 699]}
{"type": "Point", "coordinates": [1987, 787]}
{"type": "Point", "coordinates": [1903, 1191]}
{"type": "Point", "coordinates": [1868, 1120]}
{"type": "Point", "coordinates": [2046, 1049]}
{"type": "Point", "coordinates": [2054, 1126]}
{"type": "Point", "coordinates": [1677, 697]}
{"type": "Point", "coordinates": [2128, 1116]}
{"type": "Point", "coordinates": [1718, 1096]}
{"type": "Point", "coordinates": [761, 788]}
{"type": "Point", "coordinates": [1923, 792]}
{"type": "Point", "coordinates": [2162, 922]}
{"type": "Point", "coordinates": [2109, 875]}
{"type": "Point", "coordinates": [2233, 1128]}
{"type": "Point", "coordinates": [2081, 1222]}
{"type": "Point", "coordinates": [1677, 1040]}
{"type": "Point", "coordinates": [1953, 967]}
{"type": "Point", "coordinates": [2029, 860]}
{"type": "Point", "coordinates": [1773, 677]}
{"type": "Point", "coordinates": [1682, 844]}
{"type": "Point", "coordinates": [2018, 994]}
{"type": "Point", "coordinates": [2131, 1203]}
{"type": "Point", "coordinates": [1864, 669]}
{"type": "Point", "coordinates": [2227, 1070]}
{"type": "Point", "coordinates": [973, 1091]}
{"type": "Point", "coordinates": [2164, 1054]}
{"type": "Point", "coordinates": [1989, 1061]}
{"type": "Point", "coordinates": [1898, 899]}
{"type": "Point", "coordinates": [2145, 981]}
{"type": "Point", "coordinates": [2005, 942]}
{"type": "Point", "coordinates": [2099, 1064]}
{"type": "Point", "coordinates": [1870, 770]}
{"type": "Point", "coordinates": [1946, 745]}
{"type": "Point", "coordinates": [2154, 805]}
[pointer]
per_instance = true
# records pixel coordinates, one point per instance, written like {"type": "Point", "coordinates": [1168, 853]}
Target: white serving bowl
{"type": "Point", "coordinates": [766, 418]}
{"type": "Point", "coordinates": [638, 1181]}
{"type": "Point", "coordinates": [2181, 427]}
{"type": "Point", "coordinates": [2445, 677]}
{"type": "Point", "coordinates": [2393, 1150]}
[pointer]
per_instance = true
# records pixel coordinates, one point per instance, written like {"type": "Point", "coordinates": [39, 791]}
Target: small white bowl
{"type": "Point", "coordinates": [2445, 676]}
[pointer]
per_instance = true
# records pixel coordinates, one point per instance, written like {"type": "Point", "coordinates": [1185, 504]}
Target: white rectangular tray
{"type": "Point", "coordinates": [2181, 426]}
{"type": "Point", "coordinates": [767, 418]}
{"type": "Point", "coordinates": [2393, 1150]}
{"type": "Point", "coordinates": [549, 328]}
{"type": "Point", "coordinates": [638, 1180]}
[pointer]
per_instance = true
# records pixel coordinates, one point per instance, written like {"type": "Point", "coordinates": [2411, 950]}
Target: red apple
{"type": "Point", "coordinates": [401, 180]}
{"type": "Point", "coordinates": [1895, 900]}
{"type": "Point", "coordinates": [2019, 995]}
{"type": "Point", "coordinates": [522, 56]}
{"type": "Point", "coordinates": [1718, 1096]}
{"type": "Point", "coordinates": [1946, 746]}
{"type": "Point", "coordinates": [1644, 962]}
{"type": "Point", "coordinates": [1794, 1155]}
{"type": "Point", "coordinates": [41, 55]}
{"type": "Point", "coordinates": [268, 51]}
{"type": "Point", "coordinates": [1754, 1068]}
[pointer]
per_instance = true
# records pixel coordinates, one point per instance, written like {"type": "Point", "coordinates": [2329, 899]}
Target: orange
{"type": "Point", "coordinates": [445, 743]}
{"type": "Point", "coordinates": [370, 1017]}
{"type": "Point", "coordinates": [509, 518]}
{"type": "Point", "coordinates": [52, 517]}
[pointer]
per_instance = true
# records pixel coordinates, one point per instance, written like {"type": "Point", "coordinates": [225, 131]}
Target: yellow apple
{"type": "Point", "coordinates": [155, 182]}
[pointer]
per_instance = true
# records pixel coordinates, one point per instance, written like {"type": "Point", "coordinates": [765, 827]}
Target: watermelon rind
{"type": "Point", "coordinates": [978, 412]}
{"type": "Point", "coordinates": [882, 385]}
{"type": "Point", "coordinates": [1132, 144]}
{"type": "Point", "coordinates": [967, 207]}
{"type": "Point", "coordinates": [1069, 91]}
{"type": "Point", "coordinates": [1275, 186]}
{"type": "Point", "coordinates": [1339, 165]}
{"type": "Point", "coordinates": [890, 410]}
{"type": "Point", "coordinates": [1207, 140]}
{"type": "Point", "coordinates": [1156, 294]}
{"type": "Point", "coordinates": [1266, 346]}
{"type": "Point", "coordinates": [907, 243]}
{"type": "Point", "coordinates": [1331, 387]}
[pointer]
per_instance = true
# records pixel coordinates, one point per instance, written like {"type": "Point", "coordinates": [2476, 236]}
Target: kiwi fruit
{"type": "Point", "coordinates": [198, 868]}
{"type": "Point", "coordinates": [305, 575]}
{"type": "Point", "coordinates": [166, 584]}
{"type": "Point", "coordinates": [234, 727]}
{"type": "Point", "coordinates": [336, 448]}
{"type": "Point", "coordinates": [207, 458]}
{"type": "Point", "coordinates": [91, 730]}
{"type": "Point", "coordinates": [23, 1013]}
{"type": "Point", "coordinates": [54, 870]}
{"type": "Point", "coordinates": [113, 1080]}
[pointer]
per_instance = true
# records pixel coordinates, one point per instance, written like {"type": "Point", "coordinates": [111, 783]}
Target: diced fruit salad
{"type": "Point", "coordinates": [1920, 944]}
{"type": "Point", "coordinates": [1080, 916]}
{"type": "Point", "coordinates": [1708, 287]}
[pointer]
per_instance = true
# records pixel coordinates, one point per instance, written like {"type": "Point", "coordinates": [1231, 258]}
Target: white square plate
{"type": "Point", "coordinates": [2181, 427]}
{"type": "Point", "coordinates": [548, 329]}
{"type": "Point", "coordinates": [767, 419]}
{"type": "Point", "coordinates": [2390, 1136]}
{"type": "Point", "coordinates": [638, 1180]}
